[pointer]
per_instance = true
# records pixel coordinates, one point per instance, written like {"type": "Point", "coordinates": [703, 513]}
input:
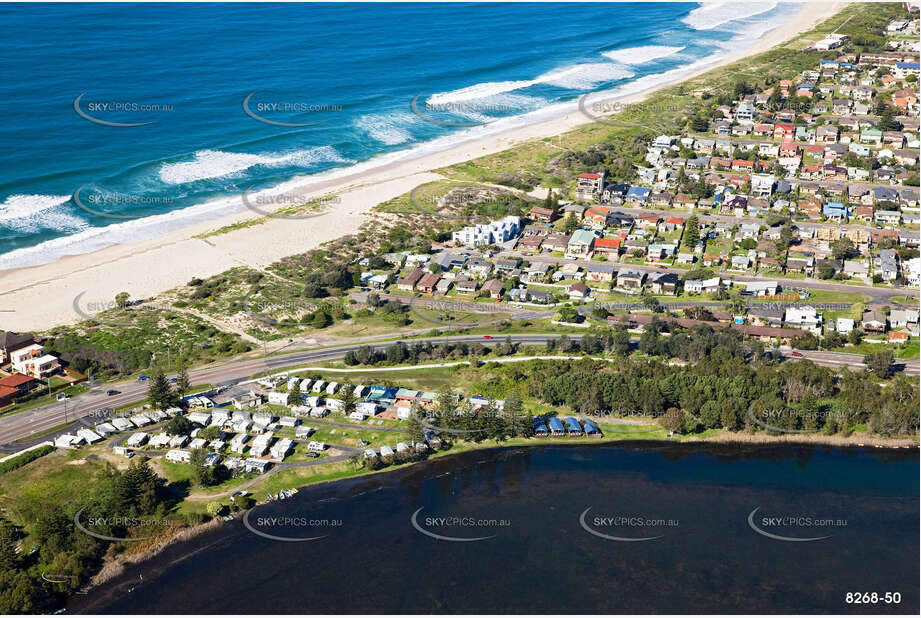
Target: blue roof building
{"type": "Point", "coordinates": [835, 210]}
{"type": "Point", "coordinates": [556, 426]}
{"type": "Point", "coordinates": [573, 426]}
{"type": "Point", "coordinates": [591, 429]}
{"type": "Point", "coordinates": [540, 427]}
{"type": "Point", "coordinates": [638, 194]}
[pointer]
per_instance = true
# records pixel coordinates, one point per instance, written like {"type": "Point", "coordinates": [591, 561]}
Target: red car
{"type": "Point", "coordinates": [487, 336]}
{"type": "Point", "coordinates": [796, 354]}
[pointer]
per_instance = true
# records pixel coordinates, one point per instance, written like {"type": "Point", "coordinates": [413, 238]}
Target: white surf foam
{"type": "Point", "coordinates": [386, 128]}
{"type": "Point", "coordinates": [710, 15]}
{"type": "Point", "coordinates": [33, 212]}
{"type": "Point", "coordinates": [218, 164]}
{"type": "Point", "coordinates": [642, 54]}
{"type": "Point", "coordinates": [585, 76]}
{"type": "Point", "coordinates": [574, 77]}
{"type": "Point", "coordinates": [476, 92]}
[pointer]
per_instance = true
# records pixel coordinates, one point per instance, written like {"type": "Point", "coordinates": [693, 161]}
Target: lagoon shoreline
{"type": "Point", "coordinates": [39, 297]}
{"type": "Point", "coordinates": [191, 541]}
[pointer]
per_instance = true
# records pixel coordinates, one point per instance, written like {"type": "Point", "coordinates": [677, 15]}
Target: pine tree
{"type": "Point", "coordinates": [691, 232]}
{"type": "Point", "coordinates": [348, 398]}
{"type": "Point", "coordinates": [182, 381]}
{"type": "Point", "coordinates": [159, 391]}
{"type": "Point", "coordinates": [412, 429]}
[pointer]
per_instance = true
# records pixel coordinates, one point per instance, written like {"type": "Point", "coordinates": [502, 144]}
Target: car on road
{"type": "Point", "coordinates": [487, 336]}
{"type": "Point", "coordinates": [796, 354]}
{"type": "Point", "coordinates": [663, 267]}
{"type": "Point", "coordinates": [111, 392]}
{"type": "Point", "coordinates": [174, 380]}
{"type": "Point", "coordinates": [143, 378]}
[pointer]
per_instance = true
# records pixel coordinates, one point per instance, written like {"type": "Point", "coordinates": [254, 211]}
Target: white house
{"type": "Point", "coordinates": [200, 418]}
{"type": "Point", "coordinates": [496, 232]}
{"type": "Point", "coordinates": [844, 325]}
{"type": "Point", "coordinates": [68, 441]}
{"type": "Point", "coordinates": [89, 435]}
{"type": "Point", "coordinates": [178, 456]}
{"type": "Point", "coordinates": [32, 361]}
{"type": "Point", "coordinates": [281, 448]}
{"type": "Point", "coordinates": [159, 440]}
{"type": "Point", "coordinates": [122, 424]}
{"type": "Point", "coordinates": [136, 440]}
{"type": "Point", "coordinates": [279, 399]}
{"type": "Point", "coordinates": [806, 318]}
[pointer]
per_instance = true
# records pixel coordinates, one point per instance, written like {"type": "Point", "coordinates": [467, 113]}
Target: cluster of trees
{"type": "Point", "coordinates": [731, 382]}
{"type": "Point", "coordinates": [107, 352]}
{"type": "Point", "coordinates": [424, 351]}
{"type": "Point", "coordinates": [450, 417]}
{"type": "Point", "coordinates": [162, 394]}
{"type": "Point", "coordinates": [831, 341]}
{"type": "Point", "coordinates": [119, 498]}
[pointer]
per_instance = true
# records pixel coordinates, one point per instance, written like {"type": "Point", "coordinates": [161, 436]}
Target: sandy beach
{"type": "Point", "coordinates": [40, 297]}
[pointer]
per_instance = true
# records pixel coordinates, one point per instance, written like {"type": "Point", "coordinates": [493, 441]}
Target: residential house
{"type": "Point", "coordinates": [10, 342]}
{"type": "Point", "coordinates": [806, 318]}
{"type": "Point", "coordinates": [630, 279]}
{"type": "Point", "coordinates": [580, 244]}
{"type": "Point", "coordinates": [599, 272]}
{"type": "Point", "coordinates": [427, 283]}
{"type": "Point", "coordinates": [32, 360]}
{"type": "Point", "coordinates": [544, 215]}
{"type": "Point", "coordinates": [578, 291]}
{"type": "Point", "coordinates": [664, 283]}
{"type": "Point", "coordinates": [589, 186]}
{"type": "Point", "coordinates": [873, 322]}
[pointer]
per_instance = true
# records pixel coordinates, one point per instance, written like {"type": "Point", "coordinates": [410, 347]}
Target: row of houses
{"type": "Point", "coordinates": [568, 426]}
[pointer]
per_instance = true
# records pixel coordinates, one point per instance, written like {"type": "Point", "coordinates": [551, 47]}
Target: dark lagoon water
{"type": "Point", "coordinates": [694, 503]}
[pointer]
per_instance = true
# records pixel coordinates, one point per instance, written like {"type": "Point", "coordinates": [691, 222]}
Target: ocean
{"type": "Point", "coordinates": [124, 121]}
{"type": "Point", "coordinates": [649, 528]}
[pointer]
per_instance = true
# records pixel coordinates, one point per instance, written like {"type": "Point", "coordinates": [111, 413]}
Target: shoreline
{"type": "Point", "coordinates": [115, 567]}
{"type": "Point", "coordinates": [172, 259]}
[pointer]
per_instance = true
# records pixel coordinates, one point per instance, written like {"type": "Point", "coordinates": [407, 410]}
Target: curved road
{"type": "Point", "coordinates": [21, 425]}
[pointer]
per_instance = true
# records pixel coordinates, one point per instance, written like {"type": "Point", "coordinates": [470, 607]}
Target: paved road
{"type": "Point", "coordinates": [877, 295]}
{"type": "Point", "coordinates": [16, 426]}
{"type": "Point", "coordinates": [705, 217]}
